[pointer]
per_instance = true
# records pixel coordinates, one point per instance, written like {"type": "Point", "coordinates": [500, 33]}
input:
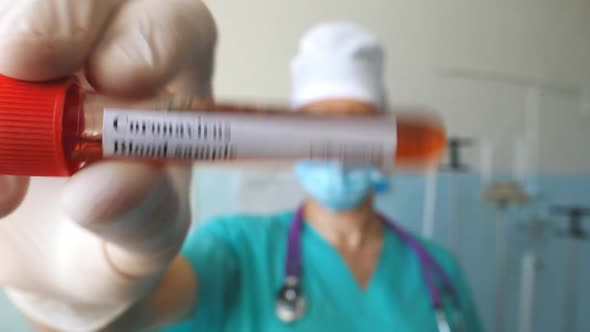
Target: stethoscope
{"type": "Point", "coordinates": [291, 303]}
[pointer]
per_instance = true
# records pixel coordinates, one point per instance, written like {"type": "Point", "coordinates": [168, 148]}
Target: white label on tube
{"type": "Point", "coordinates": [211, 136]}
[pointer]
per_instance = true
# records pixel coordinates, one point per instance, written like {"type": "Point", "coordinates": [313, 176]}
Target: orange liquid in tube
{"type": "Point", "coordinates": [421, 137]}
{"type": "Point", "coordinates": [55, 129]}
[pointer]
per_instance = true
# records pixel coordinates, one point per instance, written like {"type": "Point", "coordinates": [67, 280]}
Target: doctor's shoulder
{"type": "Point", "coordinates": [245, 227]}
{"type": "Point", "coordinates": [443, 256]}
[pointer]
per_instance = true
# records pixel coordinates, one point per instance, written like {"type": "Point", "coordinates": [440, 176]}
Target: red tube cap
{"type": "Point", "coordinates": [31, 117]}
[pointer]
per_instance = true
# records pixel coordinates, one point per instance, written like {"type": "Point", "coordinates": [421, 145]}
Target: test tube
{"type": "Point", "coordinates": [56, 128]}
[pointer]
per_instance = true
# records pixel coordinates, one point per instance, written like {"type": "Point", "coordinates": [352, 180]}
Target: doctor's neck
{"type": "Point", "coordinates": [352, 228]}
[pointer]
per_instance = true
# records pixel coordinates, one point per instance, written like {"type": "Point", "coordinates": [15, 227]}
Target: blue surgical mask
{"type": "Point", "coordinates": [338, 187]}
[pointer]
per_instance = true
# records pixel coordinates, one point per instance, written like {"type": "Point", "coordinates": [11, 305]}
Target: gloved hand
{"type": "Point", "coordinates": [99, 241]}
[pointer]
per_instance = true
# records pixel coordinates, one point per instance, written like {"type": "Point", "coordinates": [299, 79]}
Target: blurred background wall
{"type": "Point", "coordinates": [483, 65]}
{"type": "Point", "coordinates": [544, 39]}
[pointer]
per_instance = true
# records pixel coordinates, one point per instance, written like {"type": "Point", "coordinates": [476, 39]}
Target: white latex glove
{"type": "Point", "coordinates": [99, 241]}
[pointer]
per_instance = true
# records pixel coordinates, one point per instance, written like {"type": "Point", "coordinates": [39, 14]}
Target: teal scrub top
{"type": "Point", "coordinates": [240, 263]}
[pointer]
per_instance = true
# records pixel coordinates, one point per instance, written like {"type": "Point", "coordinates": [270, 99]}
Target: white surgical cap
{"type": "Point", "coordinates": [338, 60]}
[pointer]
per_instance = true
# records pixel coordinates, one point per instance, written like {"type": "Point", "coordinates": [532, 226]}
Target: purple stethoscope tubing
{"type": "Point", "coordinates": [429, 266]}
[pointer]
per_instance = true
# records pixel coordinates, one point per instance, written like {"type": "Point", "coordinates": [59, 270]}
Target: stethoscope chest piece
{"type": "Point", "coordinates": [290, 304]}
{"type": "Point", "coordinates": [442, 323]}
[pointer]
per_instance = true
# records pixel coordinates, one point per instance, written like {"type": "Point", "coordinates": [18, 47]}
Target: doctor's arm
{"type": "Point", "coordinates": [197, 288]}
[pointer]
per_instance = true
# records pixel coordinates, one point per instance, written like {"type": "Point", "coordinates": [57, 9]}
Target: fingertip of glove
{"type": "Point", "coordinates": [12, 192]}
{"type": "Point", "coordinates": [105, 191]}
{"type": "Point", "coordinates": [44, 40]}
{"type": "Point", "coordinates": [38, 59]}
{"type": "Point", "coordinates": [149, 43]}
{"type": "Point", "coordinates": [134, 79]}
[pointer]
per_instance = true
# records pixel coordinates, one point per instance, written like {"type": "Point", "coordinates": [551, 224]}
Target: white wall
{"type": "Point", "coordinates": [543, 39]}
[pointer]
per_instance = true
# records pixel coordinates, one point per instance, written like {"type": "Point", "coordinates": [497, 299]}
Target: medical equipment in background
{"type": "Point", "coordinates": [525, 172]}
{"type": "Point", "coordinates": [54, 129]}
{"type": "Point", "coordinates": [526, 148]}
{"type": "Point", "coordinates": [502, 194]}
{"type": "Point", "coordinates": [535, 89]}
{"type": "Point", "coordinates": [455, 164]}
{"type": "Point", "coordinates": [291, 303]}
{"type": "Point", "coordinates": [455, 167]}
{"type": "Point", "coordinates": [428, 214]}
{"type": "Point", "coordinates": [534, 228]}
{"type": "Point", "coordinates": [575, 234]}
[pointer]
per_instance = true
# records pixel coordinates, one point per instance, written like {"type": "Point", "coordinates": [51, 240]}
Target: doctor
{"type": "Point", "coordinates": [335, 263]}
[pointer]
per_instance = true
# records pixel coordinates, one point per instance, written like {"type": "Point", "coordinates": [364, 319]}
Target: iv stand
{"type": "Point", "coordinates": [429, 205]}
{"type": "Point", "coordinates": [456, 166]}
{"type": "Point", "coordinates": [502, 194]}
{"type": "Point", "coordinates": [576, 234]}
{"type": "Point", "coordinates": [529, 265]}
